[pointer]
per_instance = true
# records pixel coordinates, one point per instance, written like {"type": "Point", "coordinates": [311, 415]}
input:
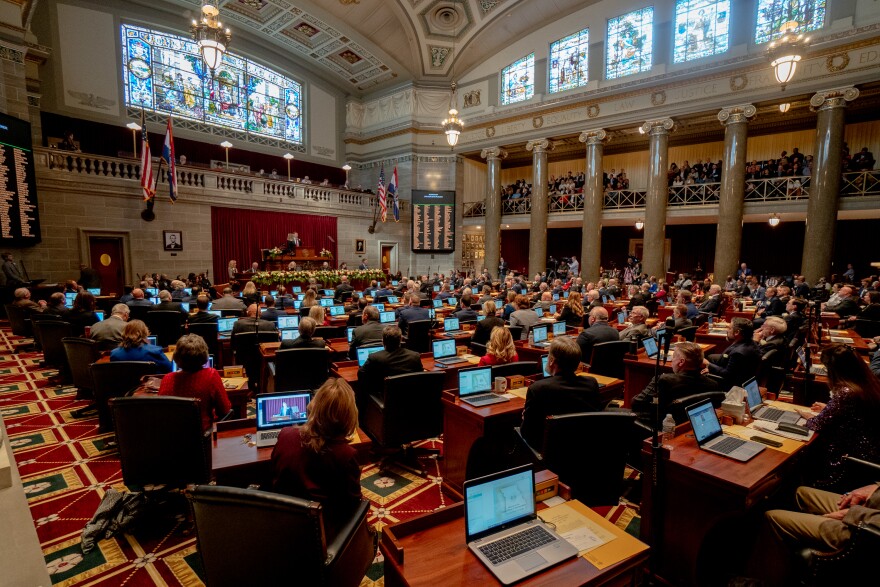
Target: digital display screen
{"type": "Point", "coordinates": [433, 224]}
{"type": "Point", "coordinates": [19, 213]}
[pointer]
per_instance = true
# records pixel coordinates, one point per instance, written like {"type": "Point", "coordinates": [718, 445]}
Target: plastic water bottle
{"type": "Point", "coordinates": [668, 429]}
{"type": "Point", "coordinates": [531, 338]}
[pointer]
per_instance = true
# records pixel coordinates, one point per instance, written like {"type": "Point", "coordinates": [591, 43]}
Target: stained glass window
{"type": "Point", "coordinates": [700, 29]}
{"type": "Point", "coordinates": [630, 43]}
{"type": "Point", "coordinates": [165, 73]}
{"type": "Point", "coordinates": [568, 61]}
{"type": "Point", "coordinates": [518, 80]}
{"type": "Point", "coordinates": [772, 14]}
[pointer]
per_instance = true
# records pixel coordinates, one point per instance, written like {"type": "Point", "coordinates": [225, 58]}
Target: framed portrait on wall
{"type": "Point", "coordinates": [173, 240]}
{"type": "Point", "coordinates": [360, 246]}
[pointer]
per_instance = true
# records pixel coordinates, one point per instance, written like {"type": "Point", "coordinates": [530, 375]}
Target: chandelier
{"type": "Point", "coordinates": [773, 220]}
{"type": "Point", "coordinates": [785, 52]}
{"type": "Point", "coordinates": [210, 35]}
{"type": "Point", "coordinates": [452, 125]}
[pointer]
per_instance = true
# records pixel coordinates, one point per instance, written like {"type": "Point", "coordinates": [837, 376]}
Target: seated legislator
{"type": "Point", "coordinates": [368, 332]}
{"type": "Point", "coordinates": [871, 310]}
{"type": "Point", "coordinates": [466, 313]}
{"type": "Point", "coordinates": [305, 339]}
{"type": "Point", "coordinates": [639, 329]}
{"type": "Point", "coordinates": [310, 299]}
{"type": "Point", "coordinates": [283, 299]}
{"type": "Point", "coordinates": [771, 336]}
{"type": "Point", "coordinates": [525, 316]}
{"type": "Point", "coordinates": [544, 302]}
{"type": "Point", "coordinates": [500, 349]}
{"type": "Point", "coordinates": [23, 300]}
{"type": "Point", "coordinates": [572, 312]}
{"type": "Point", "coordinates": [56, 305]}
{"type": "Point", "coordinates": [598, 331]}
{"type": "Point", "coordinates": [563, 392]}
{"type": "Point", "coordinates": [393, 360]}
{"type": "Point", "coordinates": [196, 380]}
{"type": "Point", "coordinates": [353, 306]}
{"type": "Point", "coordinates": [228, 302]}
{"type": "Point", "coordinates": [201, 315]}
{"type": "Point", "coordinates": [685, 379]}
{"type": "Point", "coordinates": [137, 299]}
{"type": "Point", "coordinates": [271, 313]}
{"type": "Point", "coordinates": [134, 347]}
{"type": "Point", "coordinates": [319, 315]}
{"type": "Point", "coordinates": [108, 332]}
{"type": "Point", "coordinates": [168, 305]}
{"type": "Point", "coordinates": [82, 314]}
{"type": "Point", "coordinates": [845, 306]}
{"type": "Point", "coordinates": [316, 461]}
{"type": "Point", "coordinates": [250, 295]}
{"type": "Point", "coordinates": [412, 312]}
{"type": "Point", "coordinates": [740, 361]}
{"type": "Point", "coordinates": [343, 287]}
{"type": "Point", "coordinates": [251, 323]}
{"type": "Point", "coordinates": [712, 301]}
{"type": "Point", "coordinates": [484, 327]}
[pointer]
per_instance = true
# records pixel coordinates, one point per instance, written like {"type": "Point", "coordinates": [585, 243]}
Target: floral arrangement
{"type": "Point", "coordinates": [326, 277]}
{"type": "Point", "coordinates": [325, 253]}
{"type": "Point", "coordinates": [274, 252]}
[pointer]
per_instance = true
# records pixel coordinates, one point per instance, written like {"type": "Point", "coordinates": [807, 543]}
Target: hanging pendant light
{"type": "Point", "coordinates": [452, 125]}
{"type": "Point", "coordinates": [210, 35]}
{"type": "Point", "coordinates": [785, 52]}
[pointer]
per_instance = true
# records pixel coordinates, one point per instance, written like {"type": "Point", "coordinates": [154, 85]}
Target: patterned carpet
{"type": "Point", "coordinates": [66, 468]}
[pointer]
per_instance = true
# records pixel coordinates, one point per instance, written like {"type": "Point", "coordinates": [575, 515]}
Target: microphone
{"type": "Point", "coordinates": [331, 239]}
{"type": "Point", "coordinates": [667, 337]}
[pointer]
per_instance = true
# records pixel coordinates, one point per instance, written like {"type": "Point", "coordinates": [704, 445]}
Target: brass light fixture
{"type": "Point", "coordinates": [210, 35]}
{"type": "Point", "coordinates": [785, 52]}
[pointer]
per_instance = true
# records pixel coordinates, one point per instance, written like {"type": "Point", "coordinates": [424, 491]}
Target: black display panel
{"type": "Point", "coordinates": [19, 215]}
{"type": "Point", "coordinates": [433, 227]}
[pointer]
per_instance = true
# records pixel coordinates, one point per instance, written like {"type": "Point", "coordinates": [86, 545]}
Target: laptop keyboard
{"type": "Point", "coordinates": [483, 397]}
{"type": "Point", "coordinates": [270, 435]}
{"type": "Point", "coordinates": [728, 445]}
{"type": "Point", "coordinates": [516, 544]}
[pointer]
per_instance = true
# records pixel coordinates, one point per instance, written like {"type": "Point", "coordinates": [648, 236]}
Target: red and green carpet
{"type": "Point", "coordinates": [66, 468]}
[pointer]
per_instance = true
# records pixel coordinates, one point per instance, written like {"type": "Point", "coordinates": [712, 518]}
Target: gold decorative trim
{"type": "Point", "coordinates": [658, 98]}
{"type": "Point", "coordinates": [538, 122]}
{"type": "Point", "coordinates": [490, 132]}
{"type": "Point", "coordinates": [592, 111]}
{"type": "Point", "coordinates": [738, 83]}
{"type": "Point", "coordinates": [837, 62]}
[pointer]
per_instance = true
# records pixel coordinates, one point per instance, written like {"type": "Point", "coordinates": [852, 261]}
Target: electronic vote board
{"type": "Point", "coordinates": [433, 227]}
{"type": "Point", "coordinates": [19, 215]}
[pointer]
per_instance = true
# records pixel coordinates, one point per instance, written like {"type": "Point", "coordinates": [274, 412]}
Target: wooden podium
{"type": "Point", "coordinates": [304, 256]}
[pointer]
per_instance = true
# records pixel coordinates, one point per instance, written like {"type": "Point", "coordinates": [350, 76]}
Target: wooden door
{"type": "Point", "coordinates": [106, 258]}
{"type": "Point", "coordinates": [386, 257]}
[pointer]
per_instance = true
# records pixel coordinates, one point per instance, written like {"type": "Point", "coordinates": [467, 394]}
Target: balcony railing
{"type": "Point", "coordinates": [853, 185]}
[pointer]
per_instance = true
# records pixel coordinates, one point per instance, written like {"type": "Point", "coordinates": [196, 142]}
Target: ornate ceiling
{"type": "Point", "coordinates": [365, 45]}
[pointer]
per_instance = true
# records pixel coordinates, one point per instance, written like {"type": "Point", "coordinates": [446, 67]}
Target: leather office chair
{"type": "Point", "coordinates": [165, 325]}
{"type": "Point", "coordinates": [356, 319]}
{"type": "Point", "coordinates": [408, 408]}
{"type": "Point", "coordinates": [867, 328]}
{"type": "Point", "coordinates": [19, 321]}
{"type": "Point", "coordinates": [688, 332]}
{"type": "Point", "coordinates": [607, 358]}
{"type": "Point", "coordinates": [418, 336]}
{"type": "Point", "coordinates": [328, 332]}
{"type": "Point", "coordinates": [223, 515]}
{"type": "Point", "coordinates": [515, 332]}
{"type": "Point", "coordinates": [652, 306]}
{"type": "Point", "coordinates": [678, 407]}
{"type": "Point", "coordinates": [81, 352]}
{"type": "Point", "coordinates": [231, 313]}
{"type": "Point", "coordinates": [54, 355]}
{"type": "Point", "coordinates": [175, 454]}
{"type": "Point", "coordinates": [246, 347]}
{"type": "Point", "coordinates": [138, 313]}
{"type": "Point", "coordinates": [518, 368]}
{"type": "Point", "coordinates": [208, 332]}
{"type": "Point", "coordinates": [300, 369]}
{"type": "Point", "coordinates": [344, 297]}
{"type": "Point", "coordinates": [116, 379]}
{"type": "Point", "coordinates": [478, 349]}
{"type": "Point", "coordinates": [38, 317]}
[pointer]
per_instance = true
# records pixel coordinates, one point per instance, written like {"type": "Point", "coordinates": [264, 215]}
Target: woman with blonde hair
{"type": "Point", "coordinates": [233, 268]}
{"type": "Point", "coordinates": [249, 294]}
{"type": "Point", "coordinates": [319, 315]}
{"type": "Point", "coordinates": [500, 349]}
{"type": "Point", "coordinates": [573, 311]}
{"type": "Point", "coordinates": [316, 461]}
{"type": "Point", "coordinates": [135, 347]}
{"type": "Point", "coordinates": [311, 298]}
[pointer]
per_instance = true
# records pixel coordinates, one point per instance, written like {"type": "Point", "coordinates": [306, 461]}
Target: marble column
{"type": "Point", "coordinates": [656, 198]}
{"type": "Point", "coordinates": [728, 239]}
{"type": "Point", "coordinates": [538, 225]}
{"type": "Point", "coordinates": [594, 199]}
{"type": "Point", "coordinates": [493, 157]}
{"type": "Point", "coordinates": [825, 182]}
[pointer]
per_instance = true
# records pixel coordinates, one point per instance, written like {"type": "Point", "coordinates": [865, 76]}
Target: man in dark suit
{"type": "Point", "coordinates": [368, 332]}
{"type": "Point", "coordinates": [465, 313]}
{"type": "Point", "coordinates": [56, 305]}
{"type": "Point", "coordinates": [343, 287]}
{"type": "Point", "coordinates": [251, 324]}
{"type": "Point", "coordinates": [137, 299]}
{"type": "Point", "coordinates": [794, 316]}
{"type": "Point", "coordinates": [363, 266]}
{"type": "Point", "coordinates": [845, 305]}
{"type": "Point", "coordinates": [271, 313]}
{"type": "Point", "coordinates": [712, 303]}
{"type": "Point", "coordinates": [12, 272]}
{"type": "Point", "coordinates": [305, 340]}
{"type": "Point", "coordinates": [743, 272]}
{"type": "Point", "coordinates": [598, 331]}
{"type": "Point", "coordinates": [411, 312]}
{"type": "Point", "coordinates": [201, 315]}
{"type": "Point", "coordinates": [741, 360]}
{"type": "Point", "coordinates": [636, 298]}
{"type": "Point", "coordinates": [563, 392]}
{"type": "Point", "coordinates": [771, 306]}
{"type": "Point", "coordinates": [393, 360]}
{"type": "Point", "coordinates": [167, 305]}
{"type": "Point", "coordinates": [772, 336]}
{"type": "Point", "coordinates": [227, 302]}
{"type": "Point", "coordinates": [685, 380]}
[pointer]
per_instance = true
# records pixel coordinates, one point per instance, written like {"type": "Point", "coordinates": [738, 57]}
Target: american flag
{"type": "Point", "coordinates": [392, 191]}
{"type": "Point", "coordinates": [168, 156]}
{"type": "Point", "coordinates": [146, 160]}
{"type": "Point", "coordinates": [383, 202]}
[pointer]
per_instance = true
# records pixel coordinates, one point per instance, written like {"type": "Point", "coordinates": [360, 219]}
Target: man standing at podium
{"type": "Point", "coordinates": [293, 241]}
{"type": "Point", "coordinates": [14, 276]}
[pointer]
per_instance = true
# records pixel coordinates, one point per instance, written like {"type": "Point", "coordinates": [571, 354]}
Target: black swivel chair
{"type": "Point", "coordinates": [165, 325]}
{"type": "Point", "coordinates": [678, 407]}
{"type": "Point", "coordinates": [328, 332]}
{"type": "Point", "coordinates": [246, 347]}
{"type": "Point", "coordinates": [208, 331]}
{"type": "Point", "coordinates": [81, 352]}
{"type": "Point", "coordinates": [867, 328]}
{"type": "Point", "coordinates": [515, 332]}
{"type": "Point", "coordinates": [607, 358]}
{"type": "Point", "coordinates": [518, 368]}
{"type": "Point", "coordinates": [51, 334]}
{"type": "Point", "coordinates": [223, 515]}
{"type": "Point", "coordinates": [39, 317]}
{"type": "Point", "coordinates": [688, 332]}
{"type": "Point", "coordinates": [19, 321]}
{"type": "Point", "coordinates": [116, 379]}
{"type": "Point", "coordinates": [477, 349]}
{"type": "Point", "coordinates": [138, 313]}
{"type": "Point", "coordinates": [300, 369]}
{"type": "Point", "coordinates": [418, 336]}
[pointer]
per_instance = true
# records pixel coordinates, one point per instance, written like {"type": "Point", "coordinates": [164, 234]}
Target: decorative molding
{"type": "Point", "coordinates": [324, 151]}
{"type": "Point", "coordinates": [539, 146]}
{"type": "Point", "coordinates": [837, 62]}
{"type": "Point", "coordinates": [834, 98]}
{"type": "Point", "coordinates": [738, 83]}
{"type": "Point", "coordinates": [660, 126]}
{"type": "Point", "coordinates": [471, 99]}
{"type": "Point", "coordinates": [33, 100]}
{"type": "Point", "coordinates": [658, 98]}
{"type": "Point", "coordinates": [487, 5]}
{"type": "Point", "coordinates": [493, 153]}
{"type": "Point", "coordinates": [10, 54]}
{"type": "Point", "coordinates": [538, 122]}
{"type": "Point", "coordinates": [439, 55]}
{"type": "Point", "coordinates": [490, 132]}
{"type": "Point", "coordinates": [92, 101]}
{"type": "Point", "coordinates": [594, 136]}
{"type": "Point", "coordinates": [592, 111]}
{"type": "Point", "coordinates": [392, 161]}
{"type": "Point", "coordinates": [736, 114]}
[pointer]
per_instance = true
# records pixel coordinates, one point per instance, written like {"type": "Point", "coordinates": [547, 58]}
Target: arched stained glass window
{"type": "Point", "coordinates": [568, 62]}
{"type": "Point", "coordinates": [518, 80]}
{"type": "Point", "coordinates": [165, 73]}
{"type": "Point", "coordinates": [701, 29]}
{"type": "Point", "coordinates": [772, 14]}
{"type": "Point", "coordinates": [629, 45]}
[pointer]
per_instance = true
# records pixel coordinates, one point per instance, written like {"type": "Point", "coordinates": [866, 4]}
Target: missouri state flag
{"type": "Point", "coordinates": [168, 157]}
{"type": "Point", "coordinates": [392, 193]}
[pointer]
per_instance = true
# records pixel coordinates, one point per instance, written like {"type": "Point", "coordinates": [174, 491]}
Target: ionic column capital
{"type": "Point", "coordinates": [491, 153]}
{"type": "Point", "coordinates": [595, 136]}
{"type": "Point", "coordinates": [834, 98]}
{"type": "Point", "coordinates": [736, 114]}
{"type": "Point", "coordinates": [539, 146]}
{"type": "Point", "coordinates": [660, 126]}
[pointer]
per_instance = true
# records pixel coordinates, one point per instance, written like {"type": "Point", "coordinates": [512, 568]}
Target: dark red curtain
{"type": "Point", "coordinates": [240, 234]}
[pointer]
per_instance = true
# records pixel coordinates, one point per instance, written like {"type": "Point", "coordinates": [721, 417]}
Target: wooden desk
{"type": "Point", "coordinates": [718, 341]}
{"type": "Point", "coordinates": [639, 370]}
{"type": "Point", "coordinates": [236, 390]}
{"type": "Point", "coordinates": [704, 500]}
{"type": "Point", "coordinates": [858, 343]}
{"type": "Point", "coordinates": [239, 464]}
{"type": "Point", "coordinates": [430, 550]}
{"type": "Point", "coordinates": [348, 370]}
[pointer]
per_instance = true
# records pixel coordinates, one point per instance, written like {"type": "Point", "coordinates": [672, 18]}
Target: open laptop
{"type": "Point", "coordinates": [326, 302]}
{"type": "Point", "coordinates": [218, 313]}
{"type": "Point", "coordinates": [544, 361]}
{"type": "Point", "coordinates": [329, 292]}
{"type": "Point", "coordinates": [539, 311]}
{"type": "Point", "coordinates": [438, 303]}
{"type": "Point", "coordinates": [552, 308]}
{"type": "Point", "coordinates": [445, 353]}
{"type": "Point", "coordinates": [559, 329]}
{"type": "Point", "coordinates": [363, 353]}
{"type": "Point", "coordinates": [276, 411]}
{"type": "Point", "coordinates": [379, 307]}
{"type": "Point", "coordinates": [153, 340]}
{"type": "Point", "coordinates": [503, 530]}
{"type": "Point", "coordinates": [296, 289]}
{"type": "Point", "coordinates": [709, 436]}
{"type": "Point", "coordinates": [208, 363]}
{"type": "Point", "coordinates": [100, 315]}
{"type": "Point", "coordinates": [349, 332]}
{"type": "Point", "coordinates": [451, 326]}
{"type": "Point", "coordinates": [806, 361]}
{"type": "Point", "coordinates": [451, 301]}
{"type": "Point", "coordinates": [760, 411]}
{"type": "Point", "coordinates": [337, 310]}
{"type": "Point", "coordinates": [224, 325]}
{"type": "Point", "coordinates": [650, 344]}
{"type": "Point", "coordinates": [475, 387]}
{"type": "Point", "coordinates": [95, 291]}
{"type": "Point", "coordinates": [288, 321]}
{"type": "Point", "coordinates": [185, 306]}
{"type": "Point", "coordinates": [387, 317]}
{"type": "Point", "coordinates": [289, 333]}
{"type": "Point", "coordinates": [392, 299]}
{"type": "Point", "coordinates": [539, 335]}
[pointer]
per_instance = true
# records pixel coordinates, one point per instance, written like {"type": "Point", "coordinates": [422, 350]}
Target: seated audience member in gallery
{"type": "Point", "coordinates": [564, 392]}
{"type": "Point", "coordinates": [500, 349]}
{"type": "Point", "coordinates": [23, 300]}
{"type": "Point", "coordinates": [201, 315]}
{"type": "Point", "coordinates": [305, 340]}
{"type": "Point", "coordinates": [82, 314]}
{"type": "Point", "coordinates": [524, 316]}
{"type": "Point", "coordinates": [741, 360]}
{"type": "Point", "coordinates": [228, 302]}
{"type": "Point", "coordinates": [135, 347]}
{"type": "Point", "coordinates": [369, 332]}
{"type": "Point", "coordinates": [197, 381]}
{"type": "Point", "coordinates": [392, 360]}
{"type": "Point", "coordinates": [484, 327]}
{"type": "Point", "coordinates": [108, 332]}
{"type": "Point", "coordinates": [316, 461]}
{"type": "Point", "coordinates": [598, 331]}
{"type": "Point", "coordinates": [638, 329]}
{"type": "Point", "coordinates": [685, 379]}
{"type": "Point", "coordinates": [845, 305]}
{"type": "Point", "coordinates": [271, 313]}
{"type": "Point", "coordinates": [251, 323]}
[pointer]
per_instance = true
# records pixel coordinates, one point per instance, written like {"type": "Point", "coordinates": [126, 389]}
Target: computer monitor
{"type": "Point", "coordinates": [329, 292]}
{"type": "Point", "coordinates": [621, 317]}
{"type": "Point", "coordinates": [544, 360]}
{"type": "Point", "coordinates": [662, 301]}
{"type": "Point", "coordinates": [153, 340]}
{"type": "Point", "coordinates": [650, 347]}
{"type": "Point", "coordinates": [277, 410]}
{"type": "Point", "coordinates": [481, 317]}
{"type": "Point", "coordinates": [559, 328]}
{"type": "Point", "coordinates": [218, 313]}
{"type": "Point", "coordinates": [432, 314]}
{"type": "Point", "coordinates": [226, 324]}
{"type": "Point", "coordinates": [364, 352]}
{"type": "Point", "coordinates": [565, 294]}
{"type": "Point", "coordinates": [288, 321]}
{"type": "Point", "coordinates": [394, 282]}
{"type": "Point", "coordinates": [95, 291]}
{"type": "Point", "coordinates": [289, 333]}
{"type": "Point", "coordinates": [208, 363]}
{"type": "Point", "coordinates": [539, 311]}
{"type": "Point", "coordinates": [451, 324]}
{"type": "Point", "coordinates": [297, 304]}
{"type": "Point", "coordinates": [443, 348]}
{"type": "Point", "coordinates": [612, 298]}
{"type": "Point", "coordinates": [155, 300]}
{"type": "Point", "coordinates": [273, 292]}
{"type": "Point", "coordinates": [539, 333]}
{"type": "Point", "coordinates": [438, 303]}
{"type": "Point", "coordinates": [436, 288]}
{"type": "Point", "coordinates": [300, 296]}
{"type": "Point", "coordinates": [555, 297]}
{"type": "Point", "coordinates": [70, 295]}
{"type": "Point", "coordinates": [188, 290]}
{"type": "Point", "coordinates": [337, 310]}
{"type": "Point", "coordinates": [151, 291]}
{"type": "Point", "coordinates": [387, 317]}
{"type": "Point", "coordinates": [185, 306]}
{"type": "Point", "coordinates": [296, 289]}
{"type": "Point", "coordinates": [604, 299]}
{"type": "Point", "coordinates": [326, 302]}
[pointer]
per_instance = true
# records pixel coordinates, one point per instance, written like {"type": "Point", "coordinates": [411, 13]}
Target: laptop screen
{"type": "Point", "coordinates": [95, 291]}
{"type": "Point", "coordinates": [297, 304]}
{"type": "Point", "coordinates": [437, 303]}
{"type": "Point", "coordinates": [451, 301]}
{"type": "Point", "coordinates": [329, 292]}
{"type": "Point", "coordinates": [552, 308]}
{"type": "Point", "coordinates": [704, 421]}
{"type": "Point", "coordinates": [544, 360]}
{"type": "Point", "coordinates": [100, 315]}
{"type": "Point", "coordinates": [474, 381]}
{"type": "Point", "coordinates": [185, 306]}
{"type": "Point", "coordinates": [394, 282]}
{"type": "Point", "coordinates": [380, 307]}
{"type": "Point", "coordinates": [70, 295]}
{"type": "Point", "coordinates": [604, 299]}
{"type": "Point", "coordinates": [296, 289]}
{"type": "Point", "coordinates": [208, 363]}
{"type": "Point", "coordinates": [559, 328]}
{"type": "Point", "coordinates": [621, 318]}
{"type": "Point", "coordinates": [364, 352]}
{"type": "Point", "coordinates": [650, 346]}
{"type": "Point", "coordinates": [225, 324]}
{"type": "Point", "coordinates": [481, 317]}
{"type": "Point", "coordinates": [273, 293]}
{"type": "Point", "coordinates": [444, 348]}
{"type": "Point", "coordinates": [565, 294]}
{"type": "Point", "coordinates": [432, 314]}
{"type": "Point", "coordinates": [753, 393]}
{"type": "Point", "coordinates": [288, 321]}
{"type": "Point", "coordinates": [218, 313]}
{"type": "Point", "coordinates": [289, 333]}
{"type": "Point", "coordinates": [386, 317]}
{"type": "Point", "coordinates": [539, 311]}
{"type": "Point", "coordinates": [436, 288]}
{"type": "Point", "coordinates": [151, 291]}
{"type": "Point", "coordinates": [275, 410]}
{"type": "Point", "coordinates": [326, 302]}
{"type": "Point", "coordinates": [662, 302]}
{"type": "Point", "coordinates": [153, 340]}
{"type": "Point", "coordinates": [555, 297]}
{"type": "Point", "coordinates": [450, 324]}
{"type": "Point", "coordinates": [350, 333]}
{"type": "Point", "coordinates": [539, 333]}
{"type": "Point", "coordinates": [498, 500]}
{"type": "Point", "coordinates": [337, 310]}
{"type": "Point", "coordinates": [392, 299]}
